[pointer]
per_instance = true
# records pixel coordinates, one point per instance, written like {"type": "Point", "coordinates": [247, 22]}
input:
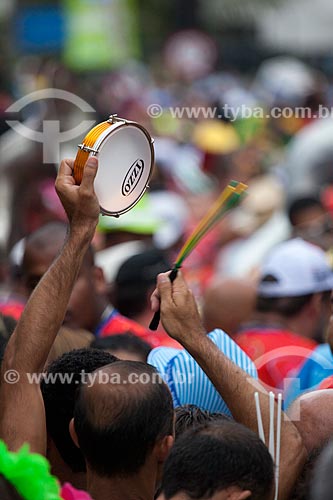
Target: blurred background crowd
{"type": "Point", "coordinates": [126, 56]}
{"type": "Point", "coordinates": [212, 62]}
{"type": "Point", "coordinates": [230, 90]}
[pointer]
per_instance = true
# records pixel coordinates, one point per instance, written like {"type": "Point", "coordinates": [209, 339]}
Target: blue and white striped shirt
{"type": "Point", "coordinates": [187, 381]}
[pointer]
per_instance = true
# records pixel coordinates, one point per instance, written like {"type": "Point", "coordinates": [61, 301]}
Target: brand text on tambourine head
{"type": "Point", "coordinates": [133, 177]}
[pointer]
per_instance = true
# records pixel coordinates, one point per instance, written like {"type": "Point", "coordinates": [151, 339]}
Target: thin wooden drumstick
{"type": "Point", "coordinates": [230, 197]}
{"type": "Point", "coordinates": [271, 446]}
{"type": "Point", "coordinates": [278, 446]}
{"type": "Point", "coordinates": [259, 419]}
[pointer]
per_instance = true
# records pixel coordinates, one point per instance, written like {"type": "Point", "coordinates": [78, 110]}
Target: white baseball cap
{"type": "Point", "coordinates": [298, 267]}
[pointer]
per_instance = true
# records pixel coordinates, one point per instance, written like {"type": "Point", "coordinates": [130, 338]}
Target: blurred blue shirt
{"type": "Point", "coordinates": [314, 370]}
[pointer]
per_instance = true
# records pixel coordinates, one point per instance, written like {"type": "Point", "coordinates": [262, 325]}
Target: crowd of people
{"type": "Point", "coordinates": [96, 406]}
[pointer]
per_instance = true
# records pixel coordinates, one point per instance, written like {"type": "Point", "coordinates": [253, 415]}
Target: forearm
{"type": "Point", "coordinates": [22, 413]}
{"type": "Point", "coordinates": [181, 320]}
{"type": "Point", "coordinates": [29, 346]}
{"type": "Point", "coordinates": [230, 381]}
{"type": "Point", "coordinates": [237, 389]}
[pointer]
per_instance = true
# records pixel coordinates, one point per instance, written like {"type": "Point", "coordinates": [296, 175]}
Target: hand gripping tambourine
{"type": "Point", "coordinates": [126, 156]}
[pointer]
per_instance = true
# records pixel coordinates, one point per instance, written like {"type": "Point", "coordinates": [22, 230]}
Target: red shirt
{"type": "Point", "coordinates": [115, 323]}
{"type": "Point", "coordinates": [327, 383]}
{"type": "Point", "coordinates": [12, 308]}
{"type": "Point", "coordinates": [277, 353]}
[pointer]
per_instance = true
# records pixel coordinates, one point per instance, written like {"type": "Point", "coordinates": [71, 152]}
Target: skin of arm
{"type": "Point", "coordinates": [22, 416]}
{"type": "Point", "coordinates": [180, 318]}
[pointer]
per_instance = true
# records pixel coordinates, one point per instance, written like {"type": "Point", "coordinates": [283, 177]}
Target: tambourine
{"type": "Point", "coordinates": [126, 157]}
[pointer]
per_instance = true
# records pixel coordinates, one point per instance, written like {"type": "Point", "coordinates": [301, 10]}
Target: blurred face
{"type": "Point", "coordinates": [309, 218]}
{"type": "Point", "coordinates": [87, 300]}
{"type": "Point", "coordinates": [36, 263]}
{"type": "Point", "coordinates": [316, 226]}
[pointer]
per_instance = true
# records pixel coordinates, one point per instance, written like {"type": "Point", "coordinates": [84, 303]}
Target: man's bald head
{"type": "Point", "coordinates": [47, 239]}
{"type": "Point", "coordinates": [228, 303]}
{"type": "Point", "coordinates": [312, 414]}
{"type": "Point", "coordinates": [41, 249]}
{"type": "Point", "coordinates": [120, 415]}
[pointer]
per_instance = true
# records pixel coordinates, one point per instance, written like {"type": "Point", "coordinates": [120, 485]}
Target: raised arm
{"type": "Point", "coordinates": [22, 417]}
{"type": "Point", "coordinates": [180, 318]}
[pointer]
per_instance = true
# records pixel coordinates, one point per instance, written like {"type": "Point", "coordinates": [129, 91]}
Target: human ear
{"type": "Point", "coordinates": [72, 433]}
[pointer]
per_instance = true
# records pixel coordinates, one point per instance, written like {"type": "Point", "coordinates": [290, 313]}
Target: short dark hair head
{"type": "Point", "coordinates": [135, 278]}
{"type": "Point", "coordinates": [191, 416]}
{"type": "Point", "coordinates": [216, 456]}
{"type": "Point", "coordinates": [59, 398]}
{"type": "Point", "coordinates": [286, 306]}
{"type": "Point", "coordinates": [123, 342]}
{"type": "Point", "coordinates": [301, 204]}
{"type": "Point", "coordinates": [118, 423]}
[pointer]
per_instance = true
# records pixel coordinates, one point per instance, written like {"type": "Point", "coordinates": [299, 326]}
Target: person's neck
{"type": "Point", "coordinates": [103, 312]}
{"type": "Point", "coordinates": [297, 324]}
{"type": "Point", "coordinates": [62, 471]}
{"type": "Point", "coordinates": [269, 320]}
{"type": "Point", "coordinates": [144, 318]}
{"type": "Point", "coordinates": [140, 486]}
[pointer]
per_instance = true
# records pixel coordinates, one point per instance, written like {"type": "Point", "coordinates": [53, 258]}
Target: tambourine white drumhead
{"type": "Point", "coordinates": [125, 162]}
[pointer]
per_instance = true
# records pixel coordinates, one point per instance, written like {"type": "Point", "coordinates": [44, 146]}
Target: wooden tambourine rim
{"type": "Point", "coordinates": [85, 150]}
